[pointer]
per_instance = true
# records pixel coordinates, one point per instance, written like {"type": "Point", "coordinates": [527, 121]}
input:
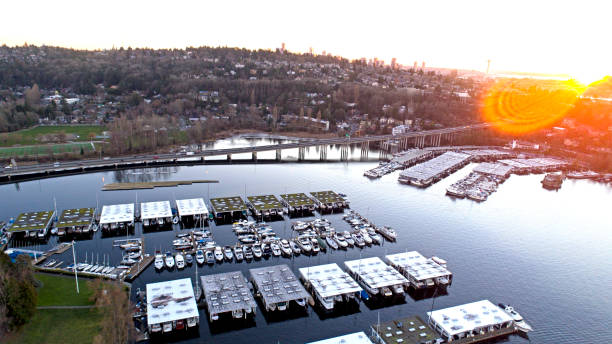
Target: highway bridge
{"type": "Point", "coordinates": [433, 138]}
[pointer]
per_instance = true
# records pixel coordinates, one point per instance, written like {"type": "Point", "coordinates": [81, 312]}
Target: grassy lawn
{"type": "Point", "coordinates": [34, 135]}
{"type": "Point", "coordinates": [6, 152]}
{"type": "Point", "coordinates": [58, 290]}
{"type": "Point", "coordinates": [58, 326]}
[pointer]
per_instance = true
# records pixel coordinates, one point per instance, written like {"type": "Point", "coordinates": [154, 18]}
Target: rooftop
{"type": "Point", "coordinates": [226, 292]}
{"type": "Point", "coordinates": [170, 301]}
{"type": "Point", "coordinates": [117, 213]}
{"type": "Point", "coordinates": [227, 204]}
{"type": "Point", "coordinates": [75, 217]}
{"type": "Point", "coordinates": [462, 318]}
{"type": "Point", "coordinates": [375, 272]}
{"type": "Point", "coordinates": [33, 220]}
{"type": "Point", "coordinates": [194, 206]}
{"type": "Point", "coordinates": [327, 196]}
{"type": "Point", "coordinates": [534, 163]}
{"type": "Point", "coordinates": [417, 266]}
{"type": "Point", "coordinates": [329, 280]}
{"type": "Point", "coordinates": [495, 169]}
{"type": "Point", "coordinates": [155, 210]}
{"type": "Point", "coordinates": [297, 199]}
{"type": "Point", "coordinates": [432, 168]}
{"type": "Point", "coordinates": [265, 202]}
{"type": "Point", "coordinates": [411, 330]}
{"type": "Point", "coordinates": [410, 155]}
{"type": "Point", "coordinates": [353, 338]}
{"type": "Point", "coordinates": [278, 284]}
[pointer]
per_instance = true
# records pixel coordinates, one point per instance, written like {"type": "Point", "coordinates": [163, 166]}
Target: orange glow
{"type": "Point", "coordinates": [521, 106]}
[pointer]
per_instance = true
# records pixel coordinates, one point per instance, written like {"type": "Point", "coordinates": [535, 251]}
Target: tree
{"type": "Point", "coordinates": [112, 300]}
{"type": "Point", "coordinates": [17, 292]}
{"type": "Point", "coordinates": [32, 96]}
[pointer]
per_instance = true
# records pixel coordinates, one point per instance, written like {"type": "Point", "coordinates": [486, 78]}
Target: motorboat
{"type": "Point", "coordinates": [398, 289]}
{"type": "Point", "coordinates": [227, 252]}
{"type": "Point", "coordinates": [349, 239]}
{"type": "Point", "coordinates": [386, 292]}
{"type": "Point", "coordinates": [266, 250]}
{"type": "Point", "coordinates": [238, 253]}
{"type": "Point", "coordinates": [331, 242]}
{"type": "Point", "coordinates": [519, 322]}
{"type": "Point", "coordinates": [387, 232]}
{"type": "Point", "coordinates": [210, 257]}
{"type": "Point", "coordinates": [248, 253]}
{"type": "Point", "coordinates": [359, 242]}
{"type": "Point", "coordinates": [200, 257]}
{"type": "Point", "coordinates": [167, 327]}
{"type": "Point", "coordinates": [257, 251]}
{"type": "Point", "coordinates": [285, 248]}
{"type": "Point", "coordinates": [192, 322]}
{"type": "Point", "coordinates": [340, 240]}
{"type": "Point", "coordinates": [376, 239]}
{"type": "Point", "coordinates": [366, 237]}
{"type": "Point", "coordinates": [188, 259]}
{"type": "Point", "coordinates": [169, 260]}
{"type": "Point", "coordinates": [134, 255]}
{"type": "Point", "coordinates": [276, 250]}
{"type": "Point", "coordinates": [180, 261]}
{"type": "Point", "coordinates": [295, 247]}
{"type": "Point", "coordinates": [314, 243]}
{"type": "Point", "coordinates": [218, 252]}
{"type": "Point", "coordinates": [304, 244]}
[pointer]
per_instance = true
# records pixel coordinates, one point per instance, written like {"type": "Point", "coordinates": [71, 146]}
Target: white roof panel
{"type": "Point", "coordinates": [375, 272]}
{"type": "Point", "coordinates": [330, 280]}
{"type": "Point", "coordinates": [353, 338]}
{"type": "Point", "coordinates": [170, 301]}
{"type": "Point", "coordinates": [155, 210]}
{"type": "Point", "coordinates": [117, 213]}
{"type": "Point", "coordinates": [468, 317]}
{"type": "Point", "coordinates": [417, 266]}
{"type": "Point", "coordinates": [194, 206]}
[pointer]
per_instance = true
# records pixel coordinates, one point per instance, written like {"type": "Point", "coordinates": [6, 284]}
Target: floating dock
{"type": "Point", "coordinates": [171, 306]}
{"type": "Point", "coordinates": [472, 322]}
{"type": "Point", "coordinates": [411, 330]}
{"type": "Point", "coordinates": [298, 203]}
{"type": "Point", "coordinates": [192, 210]}
{"type": "Point", "coordinates": [329, 284]}
{"type": "Point", "coordinates": [377, 277]}
{"type": "Point", "coordinates": [494, 169]}
{"type": "Point", "coordinates": [353, 338]}
{"type": "Point", "coordinates": [227, 293]}
{"type": "Point", "coordinates": [116, 215]}
{"type": "Point", "coordinates": [151, 185]}
{"type": "Point", "coordinates": [228, 208]}
{"type": "Point", "coordinates": [277, 286]}
{"type": "Point", "coordinates": [156, 213]}
{"type": "Point", "coordinates": [265, 206]}
{"type": "Point", "coordinates": [139, 267]}
{"type": "Point", "coordinates": [328, 200]}
{"type": "Point", "coordinates": [76, 221]}
{"type": "Point", "coordinates": [535, 165]}
{"type": "Point", "coordinates": [420, 271]}
{"type": "Point", "coordinates": [32, 223]}
{"type": "Point", "coordinates": [435, 169]}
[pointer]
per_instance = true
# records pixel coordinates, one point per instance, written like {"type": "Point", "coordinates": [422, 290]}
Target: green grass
{"type": "Point", "coordinates": [60, 290]}
{"type": "Point", "coordinates": [59, 326]}
{"type": "Point", "coordinates": [7, 152]}
{"type": "Point", "coordinates": [34, 135]}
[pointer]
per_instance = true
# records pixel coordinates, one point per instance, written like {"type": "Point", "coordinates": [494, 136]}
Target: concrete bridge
{"type": "Point", "coordinates": [420, 139]}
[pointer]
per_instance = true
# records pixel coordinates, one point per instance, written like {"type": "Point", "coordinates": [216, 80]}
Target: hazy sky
{"type": "Point", "coordinates": [532, 36]}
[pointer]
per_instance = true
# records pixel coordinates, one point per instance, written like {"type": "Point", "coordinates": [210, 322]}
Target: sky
{"type": "Point", "coordinates": [570, 37]}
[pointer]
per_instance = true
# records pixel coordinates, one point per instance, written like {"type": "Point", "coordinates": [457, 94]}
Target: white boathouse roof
{"type": "Point", "coordinates": [417, 266]}
{"type": "Point", "coordinates": [375, 272]}
{"type": "Point", "coordinates": [194, 206]}
{"type": "Point", "coordinates": [329, 280]}
{"type": "Point", "coordinates": [116, 213]}
{"type": "Point", "coordinates": [353, 338]}
{"type": "Point", "coordinates": [170, 301]}
{"type": "Point", "coordinates": [155, 210]}
{"type": "Point", "coordinates": [435, 166]}
{"type": "Point", "coordinates": [468, 317]}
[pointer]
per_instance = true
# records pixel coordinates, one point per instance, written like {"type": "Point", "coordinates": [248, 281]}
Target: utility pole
{"type": "Point", "coordinates": [76, 279]}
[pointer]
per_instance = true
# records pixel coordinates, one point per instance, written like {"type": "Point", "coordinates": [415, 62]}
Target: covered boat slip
{"type": "Point", "coordinates": [227, 292]}
{"type": "Point", "coordinates": [171, 304]}
{"type": "Point", "coordinates": [494, 169]}
{"type": "Point", "coordinates": [430, 171]}
{"type": "Point", "coordinates": [328, 200]}
{"type": "Point", "coordinates": [298, 202]}
{"type": "Point", "coordinates": [117, 213]}
{"type": "Point", "coordinates": [374, 274]}
{"type": "Point", "coordinates": [468, 322]}
{"type": "Point", "coordinates": [228, 207]}
{"type": "Point", "coordinates": [156, 213]}
{"type": "Point", "coordinates": [535, 164]}
{"type": "Point", "coordinates": [278, 286]}
{"type": "Point", "coordinates": [352, 338]}
{"type": "Point", "coordinates": [265, 205]}
{"type": "Point", "coordinates": [420, 271]}
{"type": "Point", "coordinates": [76, 220]}
{"type": "Point", "coordinates": [411, 330]}
{"type": "Point", "coordinates": [32, 221]}
{"type": "Point", "coordinates": [329, 281]}
{"type": "Point", "coordinates": [192, 209]}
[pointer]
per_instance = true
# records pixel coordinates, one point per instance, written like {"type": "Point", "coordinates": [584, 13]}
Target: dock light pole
{"type": "Point", "coordinates": [76, 279]}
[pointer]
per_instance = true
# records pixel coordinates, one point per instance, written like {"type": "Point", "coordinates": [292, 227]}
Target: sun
{"type": "Point", "coordinates": [587, 77]}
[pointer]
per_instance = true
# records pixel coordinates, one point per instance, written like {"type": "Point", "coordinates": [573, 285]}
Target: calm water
{"type": "Point", "coordinates": [547, 253]}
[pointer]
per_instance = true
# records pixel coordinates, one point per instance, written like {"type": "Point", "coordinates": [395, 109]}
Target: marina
{"type": "Point", "coordinates": [421, 272]}
{"type": "Point", "coordinates": [376, 277]}
{"type": "Point", "coordinates": [433, 170]}
{"type": "Point", "coordinates": [117, 218]}
{"type": "Point", "coordinates": [330, 285]}
{"type": "Point", "coordinates": [171, 306]}
{"type": "Point", "coordinates": [76, 221]}
{"type": "Point", "coordinates": [192, 210]}
{"type": "Point", "coordinates": [32, 224]}
{"type": "Point", "coordinates": [227, 294]}
{"type": "Point", "coordinates": [329, 201]}
{"type": "Point", "coordinates": [399, 161]}
{"type": "Point", "coordinates": [410, 330]}
{"type": "Point", "coordinates": [228, 208]}
{"type": "Point", "coordinates": [156, 214]}
{"type": "Point", "coordinates": [278, 288]}
{"type": "Point", "coordinates": [265, 207]}
{"type": "Point", "coordinates": [298, 204]}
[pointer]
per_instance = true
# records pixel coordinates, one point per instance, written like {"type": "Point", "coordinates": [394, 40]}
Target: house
{"type": "Point", "coordinates": [400, 129]}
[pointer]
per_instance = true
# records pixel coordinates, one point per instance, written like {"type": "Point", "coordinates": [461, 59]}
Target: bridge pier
{"type": "Point", "coordinates": [323, 152]}
{"type": "Point", "coordinates": [344, 153]}
{"type": "Point", "coordinates": [278, 155]}
{"type": "Point", "coordinates": [229, 158]}
{"type": "Point", "coordinates": [365, 148]}
{"type": "Point", "coordinates": [254, 156]}
{"type": "Point", "coordinates": [301, 153]}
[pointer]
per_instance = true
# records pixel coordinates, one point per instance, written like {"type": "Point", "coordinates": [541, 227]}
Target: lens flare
{"type": "Point", "coordinates": [521, 106]}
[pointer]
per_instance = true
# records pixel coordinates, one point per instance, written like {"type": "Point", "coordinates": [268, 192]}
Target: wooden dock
{"type": "Point", "coordinates": [151, 185]}
{"type": "Point", "coordinates": [139, 267]}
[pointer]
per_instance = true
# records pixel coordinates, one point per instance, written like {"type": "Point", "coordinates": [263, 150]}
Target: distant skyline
{"type": "Point", "coordinates": [558, 37]}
